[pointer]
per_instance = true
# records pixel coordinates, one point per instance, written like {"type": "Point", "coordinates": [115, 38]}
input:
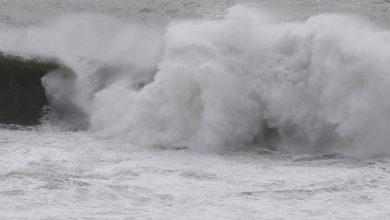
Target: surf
{"type": "Point", "coordinates": [246, 79]}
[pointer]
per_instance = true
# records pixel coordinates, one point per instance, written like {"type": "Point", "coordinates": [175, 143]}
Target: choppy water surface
{"type": "Point", "coordinates": [197, 109]}
{"type": "Point", "coordinates": [27, 12]}
{"type": "Point", "coordinates": [53, 174]}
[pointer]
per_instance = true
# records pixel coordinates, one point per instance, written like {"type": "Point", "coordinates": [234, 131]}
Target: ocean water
{"type": "Point", "coordinates": [201, 110]}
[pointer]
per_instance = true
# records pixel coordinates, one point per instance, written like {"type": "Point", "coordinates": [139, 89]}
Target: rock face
{"type": "Point", "coordinates": [22, 96]}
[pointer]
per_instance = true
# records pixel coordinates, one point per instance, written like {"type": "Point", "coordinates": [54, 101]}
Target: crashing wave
{"type": "Point", "coordinates": [214, 84]}
{"type": "Point", "coordinates": [22, 96]}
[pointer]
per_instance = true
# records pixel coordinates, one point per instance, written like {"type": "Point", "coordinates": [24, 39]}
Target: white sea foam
{"type": "Point", "coordinates": [320, 84]}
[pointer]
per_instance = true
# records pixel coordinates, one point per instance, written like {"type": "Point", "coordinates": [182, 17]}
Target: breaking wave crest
{"type": "Point", "coordinates": [247, 79]}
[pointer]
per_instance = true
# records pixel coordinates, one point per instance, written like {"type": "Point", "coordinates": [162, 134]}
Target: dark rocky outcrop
{"type": "Point", "coordinates": [22, 96]}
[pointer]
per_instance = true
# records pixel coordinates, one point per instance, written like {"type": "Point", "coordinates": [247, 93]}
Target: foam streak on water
{"type": "Point", "coordinates": [62, 175]}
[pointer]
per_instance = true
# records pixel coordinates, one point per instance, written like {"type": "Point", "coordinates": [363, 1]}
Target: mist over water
{"type": "Point", "coordinates": [247, 79]}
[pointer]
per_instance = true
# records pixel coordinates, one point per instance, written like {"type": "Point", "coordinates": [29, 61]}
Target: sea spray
{"type": "Point", "coordinates": [320, 85]}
